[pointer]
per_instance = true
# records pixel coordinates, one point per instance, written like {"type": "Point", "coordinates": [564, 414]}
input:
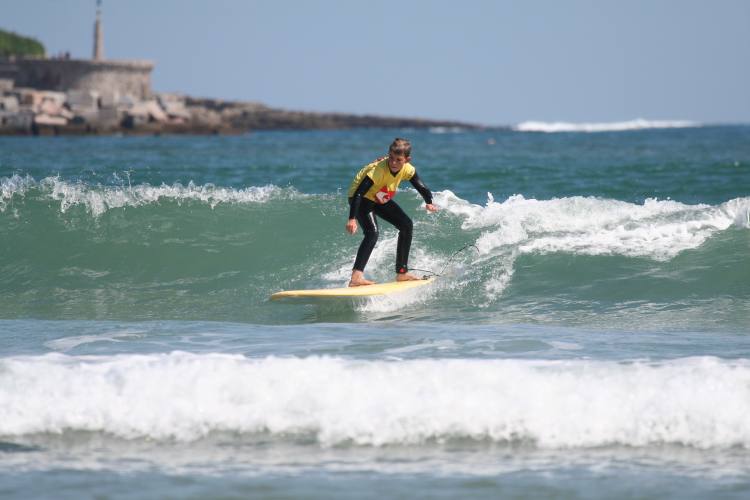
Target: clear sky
{"type": "Point", "coordinates": [482, 61]}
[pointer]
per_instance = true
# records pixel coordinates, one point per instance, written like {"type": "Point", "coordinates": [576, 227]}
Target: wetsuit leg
{"type": "Point", "coordinates": [369, 224]}
{"type": "Point", "coordinates": [392, 213]}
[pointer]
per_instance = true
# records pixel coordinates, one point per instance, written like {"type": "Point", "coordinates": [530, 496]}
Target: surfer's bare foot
{"type": "Point", "coordinates": [407, 277]}
{"type": "Point", "coordinates": [361, 282]}
{"type": "Point", "coordinates": [358, 279]}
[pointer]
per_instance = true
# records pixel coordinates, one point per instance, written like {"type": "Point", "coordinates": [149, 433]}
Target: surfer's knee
{"type": "Point", "coordinates": [406, 226]}
{"type": "Point", "coordinates": [371, 236]}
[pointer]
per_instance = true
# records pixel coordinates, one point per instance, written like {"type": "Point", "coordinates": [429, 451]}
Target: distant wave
{"type": "Point", "coordinates": [535, 126]}
{"type": "Point", "coordinates": [446, 130]}
{"type": "Point", "coordinates": [700, 401]}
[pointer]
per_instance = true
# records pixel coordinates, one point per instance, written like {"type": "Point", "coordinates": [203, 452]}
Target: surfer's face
{"type": "Point", "coordinates": [396, 162]}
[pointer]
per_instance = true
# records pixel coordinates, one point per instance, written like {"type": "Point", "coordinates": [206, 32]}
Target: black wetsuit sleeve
{"type": "Point", "coordinates": [419, 186]}
{"type": "Point", "coordinates": [356, 200]}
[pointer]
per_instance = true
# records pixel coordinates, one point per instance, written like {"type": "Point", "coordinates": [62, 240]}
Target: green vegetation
{"type": "Point", "coordinates": [17, 45]}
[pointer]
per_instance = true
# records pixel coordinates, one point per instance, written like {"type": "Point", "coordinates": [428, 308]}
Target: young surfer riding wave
{"type": "Point", "coordinates": [371, 194]}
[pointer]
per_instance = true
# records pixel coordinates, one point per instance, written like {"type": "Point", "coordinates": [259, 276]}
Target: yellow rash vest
{"type": "Point", "coordinates": [385, 183]}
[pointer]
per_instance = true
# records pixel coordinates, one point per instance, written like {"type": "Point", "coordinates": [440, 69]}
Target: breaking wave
{"type": "Point", "coordinates": [701, 402]}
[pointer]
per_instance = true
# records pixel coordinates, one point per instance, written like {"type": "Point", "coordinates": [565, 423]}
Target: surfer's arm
{"type": "Point", "coordinates": [359, 193]}
{"type": "Point", "coordinates": [421, 188]}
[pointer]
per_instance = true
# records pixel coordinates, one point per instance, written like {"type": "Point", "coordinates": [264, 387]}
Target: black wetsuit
{"type": "Point", "coordinates": [365, 210]}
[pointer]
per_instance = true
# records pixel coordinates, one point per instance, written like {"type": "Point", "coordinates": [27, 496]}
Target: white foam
{"type": "Point", "coordinates": [440, 345]}
{"type": "Point", "coordinates": [446, 130]}
{"type": "Point", "coordinates": [657, 229]}
{"type": "Point", "coordinates": [397, 301]}
{"type": "Point", "coordinates": [638, 124]}
{"type": "Point", "coordinates": [566, 346]}
{"type": "Point", "coordinates": [739, 210]}
{"type": "Point", "coordinates": [14, 186]}
{"type": "Point", "coordinates": [67, 343]}
{"type": "Point", "coordinates": [98, 199]}
{"type": "Point", "coordinates": [702, 402]}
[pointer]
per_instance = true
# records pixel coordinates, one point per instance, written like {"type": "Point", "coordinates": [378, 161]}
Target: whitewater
{"type": "Point", "coordinates": [701, 402]}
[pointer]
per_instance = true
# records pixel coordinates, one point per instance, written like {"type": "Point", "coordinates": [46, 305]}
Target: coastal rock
{"type": "Point", "coordinates": [30, 98]}
{"type": "Point", "coordinates": [148, 111]}
{"type": "Point", "coordinates": [9, 103]}
{"type": "Point", "coordinates": [174, 106]}
{"type": "Point", "coordinates": [88, 117]}
{"type": "Point", "coordinates": [50, 107]}
{"type": "Point", "coordinates": [18, 122]}
{"type": "Point", "coordinates": [91, 112]}
{"type": "Point", "coordinates": [6, 84]}
{"type": "Point", "coordinates": [45, 119]}
{"type": "Point", "coordinates": [205, 117]}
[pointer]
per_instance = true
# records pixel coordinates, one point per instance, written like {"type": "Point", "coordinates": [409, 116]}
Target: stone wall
{"type": "Point", "coordinates": [122, 77]}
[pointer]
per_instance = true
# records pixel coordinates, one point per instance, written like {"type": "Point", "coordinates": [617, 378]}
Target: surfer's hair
{"type": "Point", "coordinates": [400, 147]}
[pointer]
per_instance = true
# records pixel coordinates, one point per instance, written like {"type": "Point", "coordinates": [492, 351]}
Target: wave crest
{"type": "Point", "coordinates": [98, 199]}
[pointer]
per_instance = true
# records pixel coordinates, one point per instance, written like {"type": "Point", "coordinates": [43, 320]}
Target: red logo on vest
{"type": "Point", "coordinates": [384, 196]}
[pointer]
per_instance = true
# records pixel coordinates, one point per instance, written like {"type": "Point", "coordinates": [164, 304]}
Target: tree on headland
{"type": "Point", "coordinates": [12, 44]}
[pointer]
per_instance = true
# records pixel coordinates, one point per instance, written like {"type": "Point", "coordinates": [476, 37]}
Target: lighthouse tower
{"type": "Point", "coordinates": [99, 75]}
{"type": "Point", "coordinates": [98, 35]}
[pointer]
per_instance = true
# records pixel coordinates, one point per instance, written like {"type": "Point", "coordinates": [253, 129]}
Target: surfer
{"type": "Point", "coordinates": [370, 194]}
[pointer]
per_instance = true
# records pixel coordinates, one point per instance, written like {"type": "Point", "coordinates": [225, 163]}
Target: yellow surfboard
{"type": "Point", "coordinates": [354, 291]}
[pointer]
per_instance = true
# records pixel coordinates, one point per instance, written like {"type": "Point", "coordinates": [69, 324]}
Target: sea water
{"type": "Point", "coordinates": [588, 335]}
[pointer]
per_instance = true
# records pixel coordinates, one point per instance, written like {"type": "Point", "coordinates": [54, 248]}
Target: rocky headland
{"type": "Point", "coordinates": [28, 111]}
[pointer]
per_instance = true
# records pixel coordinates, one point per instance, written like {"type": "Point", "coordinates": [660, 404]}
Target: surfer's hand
{"type": "Point", "coordinates": [351, 226]}
{"type": "Point", "coordinates": [431, 208]}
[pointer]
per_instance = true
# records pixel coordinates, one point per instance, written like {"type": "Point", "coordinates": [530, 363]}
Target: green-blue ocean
{"type": "Point", "coordinates": [588, 335]}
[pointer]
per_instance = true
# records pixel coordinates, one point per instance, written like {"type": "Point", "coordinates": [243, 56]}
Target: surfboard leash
{"type": "Point", "coordinates": [442, 271]}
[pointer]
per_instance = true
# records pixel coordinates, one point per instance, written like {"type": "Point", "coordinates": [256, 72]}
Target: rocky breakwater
{"type": "Point", "coordinates": [26, 111]}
